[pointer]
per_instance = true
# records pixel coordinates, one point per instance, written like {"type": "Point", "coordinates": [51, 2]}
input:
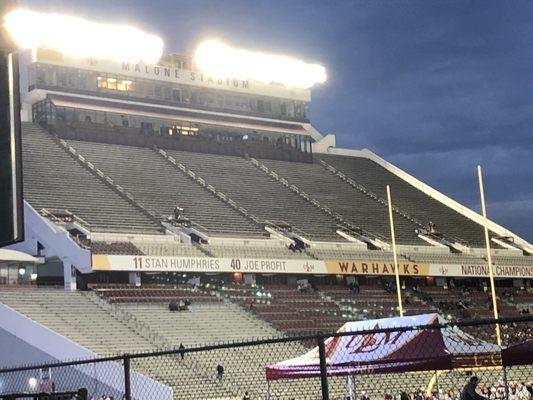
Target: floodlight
{"type": "Point", "coordinates": [22, 271]}
{"type": "Point", "coordinates": [34, 276]}
{"type": "Point", "coordinates": [219, 60]}
{"type": "Point", "coordinates": [79, 38]}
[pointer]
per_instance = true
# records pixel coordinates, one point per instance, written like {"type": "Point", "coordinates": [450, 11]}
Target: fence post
{"type": "Point", "coordinates": [505, 384]}
{"type": "Point", "coordinates": [127, 382]}
{"type": "Point", "coordinates": [323, 368]}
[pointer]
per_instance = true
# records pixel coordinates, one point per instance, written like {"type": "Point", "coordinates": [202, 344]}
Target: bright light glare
{"type": "Point", "coordinates": [219, 60]}
{"type": "Point", "coordinates": [32, 382]}
{"type": "Point", "coordinates": [80, 38]}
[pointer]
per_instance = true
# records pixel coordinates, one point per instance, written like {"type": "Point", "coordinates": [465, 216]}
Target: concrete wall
{"type": "Point", "coordinates": [24, 342]}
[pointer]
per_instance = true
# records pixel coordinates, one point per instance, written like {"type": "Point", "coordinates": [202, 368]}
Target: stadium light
{"type": "Point", "coordinates": [219, 60]}
{"type": "Point", "coordinates": [77, 37]}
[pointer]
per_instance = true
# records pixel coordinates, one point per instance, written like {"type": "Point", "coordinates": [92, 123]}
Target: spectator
{"type": "Point", "coordinates": [469, 390]}
{"type": "Point", "coordinates": [220, 372]}
{"type": "Point", "coordinates": [405, 396]}
{"type": "Point", "coordinates": [182, 351]}
{"type": "Point", "coordinates": [81, 394]}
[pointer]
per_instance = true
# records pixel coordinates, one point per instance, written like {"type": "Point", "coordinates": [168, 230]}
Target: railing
{"type": "Point", "coordinates": [75, 154]}
{"type": "Point", "coordinates": [419, 356]}
{"type": "Point", "coordinates": [203, 183]}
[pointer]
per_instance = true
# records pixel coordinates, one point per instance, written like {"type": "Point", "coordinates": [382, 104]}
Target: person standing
{"type": "Point", "coordinates": [220, 372]}
{"type": "Point", "coordinates": [182, 351]}
{"type": "Point", "coordinates": [469, 390]}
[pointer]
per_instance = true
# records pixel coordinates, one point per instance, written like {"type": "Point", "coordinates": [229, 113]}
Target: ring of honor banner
{"type": "Point", "coordinates": [102, 262]}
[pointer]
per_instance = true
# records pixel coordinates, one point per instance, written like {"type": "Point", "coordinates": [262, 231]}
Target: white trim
{"type": "Point", "coordinates": [18, 256]}
{"type": "Point", "coordinates": [433, 193]}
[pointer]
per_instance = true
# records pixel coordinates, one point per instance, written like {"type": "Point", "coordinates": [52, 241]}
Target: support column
{"type": "Point", "coordinates": [135, 278]}
{"type": "Point", "coordinates": [69, 275]}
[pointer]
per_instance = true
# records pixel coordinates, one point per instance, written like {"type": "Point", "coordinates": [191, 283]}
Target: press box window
{"type": "Point", "coordinates": [110, 82]}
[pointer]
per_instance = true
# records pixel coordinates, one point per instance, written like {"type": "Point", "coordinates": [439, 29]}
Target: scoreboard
{"type": "Point", "coordinates": [11, 203]}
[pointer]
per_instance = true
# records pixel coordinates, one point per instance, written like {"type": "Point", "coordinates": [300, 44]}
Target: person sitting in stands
{"type": "Point", "coordinates": [178, 211]}
{"type": "Point", "coordinates": [469, 391]}
{"type": "Point", "coordinates": [81, 394]}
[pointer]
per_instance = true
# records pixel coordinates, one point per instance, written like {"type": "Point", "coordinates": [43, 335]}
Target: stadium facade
{"type": "Point", "coordinates": [156, 186]}
{"type": "Point", "coordinates": [136, 168]}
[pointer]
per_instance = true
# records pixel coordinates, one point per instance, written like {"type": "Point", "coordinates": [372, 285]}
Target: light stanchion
{"type": "Point", "coordinates": [396, 266]}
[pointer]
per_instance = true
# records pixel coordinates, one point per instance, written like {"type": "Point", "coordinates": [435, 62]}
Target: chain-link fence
{"type": "Point", "coordinates": [419, 358]}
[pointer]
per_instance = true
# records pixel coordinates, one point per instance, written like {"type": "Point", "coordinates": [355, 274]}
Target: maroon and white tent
{"type": "Point", "coordinates": [391, 351]}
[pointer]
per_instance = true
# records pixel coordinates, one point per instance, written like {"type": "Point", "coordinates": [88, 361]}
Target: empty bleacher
{"type": "Point", "coordinates": [75, 316]}
{"type": "Point", "coordinates": [407, 197]}
{"type": "Point", "coordinates": [253, 190]}
{"type": "Point", "coordinates": [84, 319]}
{"type": "Point", "coordinates": [53, 180]}
{"type": "Point", "coordinates": [160, 187]}
{"type": "Point", "coordinates": [210, 323]}
{"type": "Point", "coordinates": [115, 248]}
{"type": "Point", "coordinates": [514, 260]}
{"type": "Point", "coordinates": [254, 250]}
{"type": "Point", "coordinates": [167, 248]}
{"type": "Point", "coordinates": [348, 254]}
{"type": "Point", "coordinates": [446, 258]}
{"type": "Point", "coordinates": [153, 294]}
{"type": "Point", "coordinates": [355, 207]}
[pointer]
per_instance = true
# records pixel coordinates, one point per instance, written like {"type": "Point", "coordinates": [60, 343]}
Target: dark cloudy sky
{"type": "Point", "coordinates": [436, 87]}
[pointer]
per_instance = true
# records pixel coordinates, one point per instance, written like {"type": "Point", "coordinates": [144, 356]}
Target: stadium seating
{"type": "Point", "coordinates": [515, 260]}
{"type": "Point", "coordinates": [106, 329]}
{"type": "Point", "coordinates": [76, 316]}
{"type": "Point", "coordinates": [169, 249]}
{"type": "Point", "coordinates": [267, 251]}
{"type": "Point", "coordinates": [361, 210]}
{"type": "Point", "coordinates": [153, 294]}
{"type": "Point", "coordinates": [53, 180]}
{"type": "Point", "coordinates": [115, 248]}
{"type": "Point", "coordinates": [445, 258]}
{"type": "Point", "coordinates": [408, 198]}
{"type": "Point", "coordinates": [161, 188]}
{"type": "Point", "coordinates": [255, 191]}
{"type": "Point", "coordinates": [346, 254]}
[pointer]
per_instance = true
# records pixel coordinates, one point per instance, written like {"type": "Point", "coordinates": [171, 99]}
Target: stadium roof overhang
{"type": "Point", "coordinates": [14, 256]}
{"type": "Point", "coordinates": [180, 115]}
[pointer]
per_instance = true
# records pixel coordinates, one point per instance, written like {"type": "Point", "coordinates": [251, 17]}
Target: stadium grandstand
{"type": "Point", "coordinates": [166, 207]}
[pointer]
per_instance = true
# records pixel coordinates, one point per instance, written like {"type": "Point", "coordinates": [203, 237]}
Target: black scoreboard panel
{"type": "Point", "coordinates": [11, 203]}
